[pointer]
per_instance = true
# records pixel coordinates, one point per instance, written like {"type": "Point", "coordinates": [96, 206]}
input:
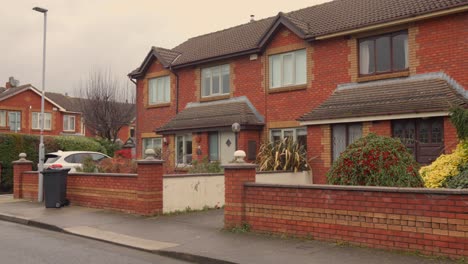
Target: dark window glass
{"type": "Point", "coordinates": [382, 54]}
{"type": "Point", "coordinates": [49, 158]}
{"type": "Point", "coordinates": [423, 132]}
{"type": "Point", "coordinates": [436, 136]}
{"type": "Point", "coordinates": [382, 46]}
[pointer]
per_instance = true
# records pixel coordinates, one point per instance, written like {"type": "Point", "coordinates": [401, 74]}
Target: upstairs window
{"type": "Point", "coordinates": [288, 69]}
{"type": "Point", "coordinates": [383, 54]}
{"type": "Point", "coordinates": [68, 123]}
{"type": "Point", "coordinates": [159, 90]}
{"type": "Point", "coordinates": [36, 120]}
{"type": "Point", "coordinates": [216, 80]}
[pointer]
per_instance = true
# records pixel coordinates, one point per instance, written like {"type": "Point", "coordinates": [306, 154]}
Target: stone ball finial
{"type": "Point", "coordinates": [239, 156]}
{"type": "Point", "coordinates": [22, 156]}
{"type": "Point", "coordinates": [150, 154]}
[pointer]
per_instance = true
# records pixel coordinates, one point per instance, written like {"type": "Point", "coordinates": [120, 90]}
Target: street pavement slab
{"type": "Point", "coordinates": [196, 236]}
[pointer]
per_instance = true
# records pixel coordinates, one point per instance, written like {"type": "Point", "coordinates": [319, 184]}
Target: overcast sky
{"type": "Point", "coordinates": [84, 35]}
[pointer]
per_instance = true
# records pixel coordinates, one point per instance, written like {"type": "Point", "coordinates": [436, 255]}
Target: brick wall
{"type": "Point", "coordinates": [133, 193]}
{"type": "Point", "coordinates": [430, 221]}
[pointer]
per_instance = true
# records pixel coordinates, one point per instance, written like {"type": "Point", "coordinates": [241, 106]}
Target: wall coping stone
{"type": "Point", "coordinates": [187, 175]}
{"type": "Point", "coordinates": [239, 166]}
{"type": "Point", "coordinates": [95, 174]}
{"type": "Point", "coordinates": [150, 161]}
{"type": "Point", "coordinates": [278, 172]}
{"type": "Point", "coordinates": [363, 188]}
{"type": "Point", "coordinates": [22, 162]}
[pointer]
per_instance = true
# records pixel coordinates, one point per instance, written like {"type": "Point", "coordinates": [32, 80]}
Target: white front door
{"type": "Point", "coordinates": [227, 143]}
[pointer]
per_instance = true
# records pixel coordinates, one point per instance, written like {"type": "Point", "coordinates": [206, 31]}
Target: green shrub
{"type": "Point", "coordinates": [109, 147]}
{"type": "Point", "coordinates": [284, 155]}
{"type": "Point", "coordinates": [89, 165]}
{"type": "Point", "coordinates": [376, 161]}
{"type": "Point", "coordinates": [205, 166]}
{"type": "Point", "coordinates": [459, 119]}
{"type": "Point", "coordinates": [11, 145]}
{"type": "Point", "coordinates": [459, 181]}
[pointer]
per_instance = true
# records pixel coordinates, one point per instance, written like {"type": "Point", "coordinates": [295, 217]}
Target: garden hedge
{"type": "Point", "coordinates": [11, 145]}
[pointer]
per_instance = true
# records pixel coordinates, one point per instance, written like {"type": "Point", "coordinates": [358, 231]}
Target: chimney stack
{"type": "Point", "coordinates": [252, 18]}
{"type": "Point", "coordinates": [11, 83]}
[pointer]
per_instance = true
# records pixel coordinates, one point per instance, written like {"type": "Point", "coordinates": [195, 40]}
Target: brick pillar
{"type": "Point", "coordinates": [235, 175]}
{"type": "Point", "coordinates": [149, 186]}
{"type": "Point", "coordinates": [19, 167]}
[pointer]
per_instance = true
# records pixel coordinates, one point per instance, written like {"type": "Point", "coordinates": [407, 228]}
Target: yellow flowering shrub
{"type": "Point", "coordinates": [446, 165]}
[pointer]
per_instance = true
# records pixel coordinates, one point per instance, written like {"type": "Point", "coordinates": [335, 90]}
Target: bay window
{"type": "Point", "coordinates": [298, 135]}
{"type": "Point", "coordinates": [343, 135]}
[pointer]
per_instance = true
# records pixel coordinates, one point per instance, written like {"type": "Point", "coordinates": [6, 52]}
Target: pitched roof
{"type": "Point", "coordinates": [14, 90]}
{"type": "Point", "coordinates": [327, 18]}
{"type": "Point", "coordinates": [203, 116]}
{"type": "Point", "coordinates": [71, 104]}
{"type": "Point", "coordinates": [423, 93]}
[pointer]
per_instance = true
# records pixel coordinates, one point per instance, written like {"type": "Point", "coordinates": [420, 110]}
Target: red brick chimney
{"type": "Point", "coordinates": [8, 85]}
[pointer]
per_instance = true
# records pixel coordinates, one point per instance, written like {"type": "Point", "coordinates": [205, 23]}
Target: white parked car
{"type": "Point", "coordinates": [71, 159]}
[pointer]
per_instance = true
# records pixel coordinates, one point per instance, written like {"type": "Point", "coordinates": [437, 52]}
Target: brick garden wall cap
{"type": "Point", "coordinates": [145, 161]}
{"type": "Point", "coordinates": [25, 161]}
{"type": "Point", "coordinates": [239, 166]}
{"type": "Point", "coordinates": [364, 188]}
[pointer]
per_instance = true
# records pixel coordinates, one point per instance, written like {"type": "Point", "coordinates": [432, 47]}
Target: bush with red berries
{"type": "Point", "coordinates": [376, 161]}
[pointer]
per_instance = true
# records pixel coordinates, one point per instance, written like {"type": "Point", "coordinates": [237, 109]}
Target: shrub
{"type": "Point", "coordinates": [89, 165]}
{"type": "Point", "coordinates": [110, 148]}
{"type": "Point", "coordinates": [459, 181]}
{"type": "Point", "coordinates": [205, 166]}
{"type": "Point", "coordinates": [459, 119]}
{"type": "Point", "coordinates": [282, 155]}
{"type": "Point", "coordinates": [445, 166]}
{"type": "Point", "coordinates": [11, 145]}
{"type": "Point", "coordinates": [118, 165]}
{"type": "Point", "coordinates": [376, 161]}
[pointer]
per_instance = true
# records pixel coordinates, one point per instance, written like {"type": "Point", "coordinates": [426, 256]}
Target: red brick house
{"type": "Point", "coordinates": [20, 108]}
{"type": "Point", "coordinates": [324, 75]}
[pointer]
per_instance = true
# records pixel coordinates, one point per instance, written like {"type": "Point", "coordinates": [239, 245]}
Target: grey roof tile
{"type": "Point", "coordinates": [420, 94]}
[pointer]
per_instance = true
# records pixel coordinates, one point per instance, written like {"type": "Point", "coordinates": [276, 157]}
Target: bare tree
{"type": "Point", "coordinates": [105, 105]}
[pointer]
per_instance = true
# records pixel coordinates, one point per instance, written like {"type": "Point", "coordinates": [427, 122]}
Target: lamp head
{"type": "Point", "coordinates": [40, 9]}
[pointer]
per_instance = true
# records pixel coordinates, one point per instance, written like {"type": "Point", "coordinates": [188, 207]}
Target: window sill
{"type": "Point", "coordinates": [287, 88]}
{"type": "Point", "coordinates": [158, 105]}
{"type": "Point", "coordinates": [383, 76]}
{"type": "Point", "coordinates": [214, 98]}
{"type": "Point", "coordinates": [38, 129]}
{"type": "Point", "coordinates": [69, 131]}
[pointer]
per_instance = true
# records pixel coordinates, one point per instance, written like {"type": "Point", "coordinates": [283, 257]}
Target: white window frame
{"type": "Point", "coordinates": [153, 97]}
{"type": "Point", "coordinates": [185, 138]}
{"type": "Point", "coordinates": [155, 143]}
{"type": "Point", "coordinates": [289, 129]}
{"type": "Point", "coordinates": [3, 115]}
{"type": "Point", "coordinates": [282, 81]}
{"type": "Point", "coordinates": [67, 123]}
{"type": "Point", "coordinates": [17, 114]}
{"type": "Point", "coordinates": [208, 72]}
{"type": "Point", "coordinates": [36, 121]}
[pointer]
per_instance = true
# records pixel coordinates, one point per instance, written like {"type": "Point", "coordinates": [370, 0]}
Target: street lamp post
{"type": "Point", "coordinates": [236, 129]}
{"type": "Point", "coordinates": [41, 143]}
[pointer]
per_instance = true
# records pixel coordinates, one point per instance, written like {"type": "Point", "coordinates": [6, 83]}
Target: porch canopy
{"type": "Point", "coordinates": [213, 116]}
{"type": "Point", "coordinates": [419, 96]}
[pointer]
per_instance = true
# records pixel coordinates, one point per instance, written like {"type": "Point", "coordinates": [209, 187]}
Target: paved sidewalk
{"type": "Point", "coordinates": [197, 237]}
